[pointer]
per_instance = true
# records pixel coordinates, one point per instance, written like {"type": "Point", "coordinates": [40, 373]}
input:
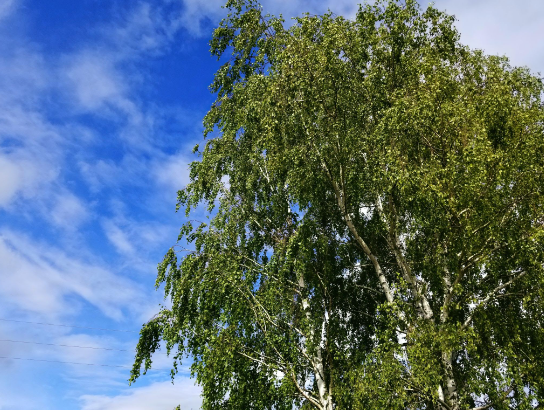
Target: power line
{"type": "Point", "coordinates": [55, 344]}
{"type": "Point", "coordinates": [78, 327]}
{"type": "Point", "coordinates": [79, 347]}
{"type": "Point", "coordinates": [58, 361]}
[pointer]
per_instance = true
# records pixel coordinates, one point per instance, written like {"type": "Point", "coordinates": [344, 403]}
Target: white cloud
{"type": "Point", "coordinates": [197, 11]}
{"type": "Point", "coordinates": [6, 8]}
{"type": "Point", "coordinates": [101, 78]}
{"type": "Point", "coordinates": [11, 180]}
{"type": "Point", "coordinates": [104, 77]}
{"type": "Point", "coordinates": [103, 72]}
{"type": "Point", "coordinates": [24, 72]}
{"type": "Point", "coordinates": [172, 173]}
{"type": "Point", "coordinates": [44, 280]}
{"type": "Point", "coordinates": [118, 238]}
{"type": "Point", "coordinates": [69, 212]}
{"type": "Point", "coordinates": [100, 173]}
{"type": "Point", "coordinates": [95, 80]}
{"type": "Point", "coordinates": [29, 153]}
{"type": "Point", "coordinates": [145, 29]}
{"type": "Point", "coordinates": [139, 243]}
{"type": "Point", "coordinates": [502, 27]}
{"type": "Point", "coordinates": [31, 147]}
{"type": "Point", "coordinates": [499, 27]}
{"type": "Point", "coordinates": [346, 8]}
{"type": "Point", "coordinates": [161, 395]}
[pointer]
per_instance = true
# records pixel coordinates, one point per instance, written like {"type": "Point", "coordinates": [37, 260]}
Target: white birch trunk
{"type": "Point", "coordinates": [325, 396]}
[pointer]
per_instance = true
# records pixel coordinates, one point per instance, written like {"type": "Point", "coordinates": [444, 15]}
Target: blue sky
{"type": "Point", "coordinates": [101, 102]}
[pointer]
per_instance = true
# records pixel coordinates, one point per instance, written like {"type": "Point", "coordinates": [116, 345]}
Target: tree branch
{"type": "Point", "coordinates": [280, 365]}
{"type": "Point", "coordinates": [394, 244]}
{"type": "Point", "coordinates": [304, 392]}
{"type": "Point", "coordinates": [340, 197]}
{"type": "Point", "coordinates": [504, 397]}
{"type": "Point", "coordinates": [489, 296]}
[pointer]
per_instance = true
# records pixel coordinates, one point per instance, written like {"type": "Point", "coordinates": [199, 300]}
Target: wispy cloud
{"type": "Point", "coordinates": [29, 145]}
{"type": "Point", "coordinates": [44, 280]}
{"type": "Point", "coordinates": [95, 81]}
{"type": "Point", "coordinates": [163, 395]}
{"type": "Point", "coordinates": [46, 103]}
{"type": "Point", "coordinates": [119, 238]}
{"type": "Point", "coordinates": [148, 28]}
{"type": "Point", "coordinates": [69, 211]}
{"type": "Point", "coordinates": [173, 172]}
{"type": "Point", "coordinates": [195, 12]}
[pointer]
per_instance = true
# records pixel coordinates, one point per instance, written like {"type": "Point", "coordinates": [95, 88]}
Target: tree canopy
{"type": "Point", "coordinates": [375, 240]}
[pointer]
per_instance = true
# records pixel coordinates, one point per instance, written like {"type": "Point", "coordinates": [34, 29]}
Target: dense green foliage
{"type": "Point", "coordinates": [375, 192]}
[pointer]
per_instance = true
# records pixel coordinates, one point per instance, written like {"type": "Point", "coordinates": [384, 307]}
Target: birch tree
{"type": "Point", "coordinates": [375, 239]}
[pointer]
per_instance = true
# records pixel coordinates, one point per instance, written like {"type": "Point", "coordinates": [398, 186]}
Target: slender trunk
{"type": "Point", "coordinates": [451, 395]}
{"type": "Point", "coordinates": [449, 391]}
{"type": "Point", "coordinates": [324, 392]}
{"type": "Point", "coordinates": [323, 388]}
